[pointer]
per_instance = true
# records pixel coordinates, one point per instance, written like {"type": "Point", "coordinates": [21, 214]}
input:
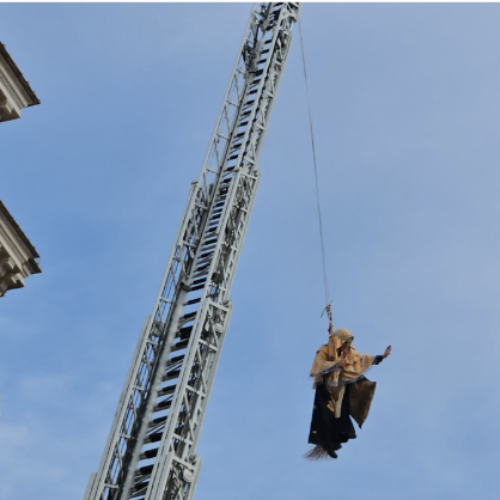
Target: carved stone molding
{"type": "Point", "coordinates": [15, 92]}
{"type": "Point", "coordinates": [17, 254]}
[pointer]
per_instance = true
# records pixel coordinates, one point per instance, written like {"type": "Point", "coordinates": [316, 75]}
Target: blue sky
{"type": "Point", "coordinates": [406, 107]}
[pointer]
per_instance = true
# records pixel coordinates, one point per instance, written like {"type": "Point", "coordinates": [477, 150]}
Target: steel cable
{"type": "Point", "coordinates": [313, 146]}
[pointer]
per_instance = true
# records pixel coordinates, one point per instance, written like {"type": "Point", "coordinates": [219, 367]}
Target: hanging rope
{"type": "Point", "coordinates": [328, 307]}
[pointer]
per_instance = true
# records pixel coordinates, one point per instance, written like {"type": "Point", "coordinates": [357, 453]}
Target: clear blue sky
{"type": "Point", "coordinates": [406, 108]}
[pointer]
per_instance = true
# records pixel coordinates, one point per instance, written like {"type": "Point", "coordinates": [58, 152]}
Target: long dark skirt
{"type": "Point", "coordinates": [326, 430]}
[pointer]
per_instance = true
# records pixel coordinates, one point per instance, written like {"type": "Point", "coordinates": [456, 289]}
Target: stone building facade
{"type": "Point", "coordinates": [17, 255]}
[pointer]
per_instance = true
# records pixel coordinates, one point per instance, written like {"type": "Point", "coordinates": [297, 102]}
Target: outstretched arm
{"type": "Point", "coordinates": [378, 359]}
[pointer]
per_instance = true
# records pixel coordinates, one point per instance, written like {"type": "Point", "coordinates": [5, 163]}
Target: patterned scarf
{"type": "Point", "coordinates": [329, 354]}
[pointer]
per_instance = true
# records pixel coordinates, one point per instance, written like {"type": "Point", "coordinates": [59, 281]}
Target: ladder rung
{"type": "Point", "coordinates": [192, 301]}
{"type": "Point", "coordinates": [208, 248]}
{"type": "Point", "coordinates": [146, 470]}
{"type": "Point", "coordinates": [206, 255]}
{"type": "Point", "coordinates": [184, 332]}
{"type": "Point", "coordinates": [203, 262]}
{"type": "Point", "coordinates": [203, 268]}
{"type": "Point", "coordinates": [198, 287]}
{"type": "Point", "coordinates": [164, 405]}
{"type": "Point", "coordinates": [138, 492]}
{"type": "Point", "coordinates": [175, 359]}
{"type": "Point", "coordinates": [149, 454]}
{"type": "Point", "coordinates": [203, 274]}
{"type": "Point", "coordinates": [154, 438]}
{"type": "Point", "coordinates": [159, 420]}
{"type": "Point", "coordinates": [166, 391]}
{"type": "Point", "coordinates": [187, 317]}
{"type": "Point", "coordinates": [180, 345]}
{"type": "Point", "coordinates": [199, 281]}
{"type": "Point", "coordinates": [209, 240]}
{"type": "Point", "coordinates": [171, 375]}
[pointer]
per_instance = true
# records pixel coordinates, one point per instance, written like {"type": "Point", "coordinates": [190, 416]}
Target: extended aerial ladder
{"type": "Point", "coordinates": [150, 452]}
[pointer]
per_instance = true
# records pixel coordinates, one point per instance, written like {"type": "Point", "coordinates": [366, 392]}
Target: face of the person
{"type": "Point", "coordinates": [344, 348]}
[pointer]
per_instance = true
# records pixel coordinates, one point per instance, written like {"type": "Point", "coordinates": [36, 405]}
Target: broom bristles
{"type": "Point", "coordinates": [317, 453]}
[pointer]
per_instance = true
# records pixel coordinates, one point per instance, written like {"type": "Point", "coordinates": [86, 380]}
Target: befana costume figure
{"type": "Point", "coordinates": [342, 392]}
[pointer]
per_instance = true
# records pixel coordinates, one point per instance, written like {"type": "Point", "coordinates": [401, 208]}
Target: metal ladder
{"type": "Point", "coordinates": [150, 453]}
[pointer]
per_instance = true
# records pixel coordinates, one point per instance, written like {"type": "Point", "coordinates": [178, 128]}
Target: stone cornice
{"type": "Point", "coordinates": [30, 94]}
{"type": "Point", "coordinates": [17, 254]}
{"type": "Point", "coordinates": [15, 91]}
{"type": "Point", "coordinates": [4, 213]}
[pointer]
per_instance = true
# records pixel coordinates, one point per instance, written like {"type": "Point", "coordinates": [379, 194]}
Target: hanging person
{"type": "Point", "coordinates": [342, 392]}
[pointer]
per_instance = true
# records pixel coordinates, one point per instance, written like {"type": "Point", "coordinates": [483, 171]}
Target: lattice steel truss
{"type": "Point", "coordinates": [150, 453]}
